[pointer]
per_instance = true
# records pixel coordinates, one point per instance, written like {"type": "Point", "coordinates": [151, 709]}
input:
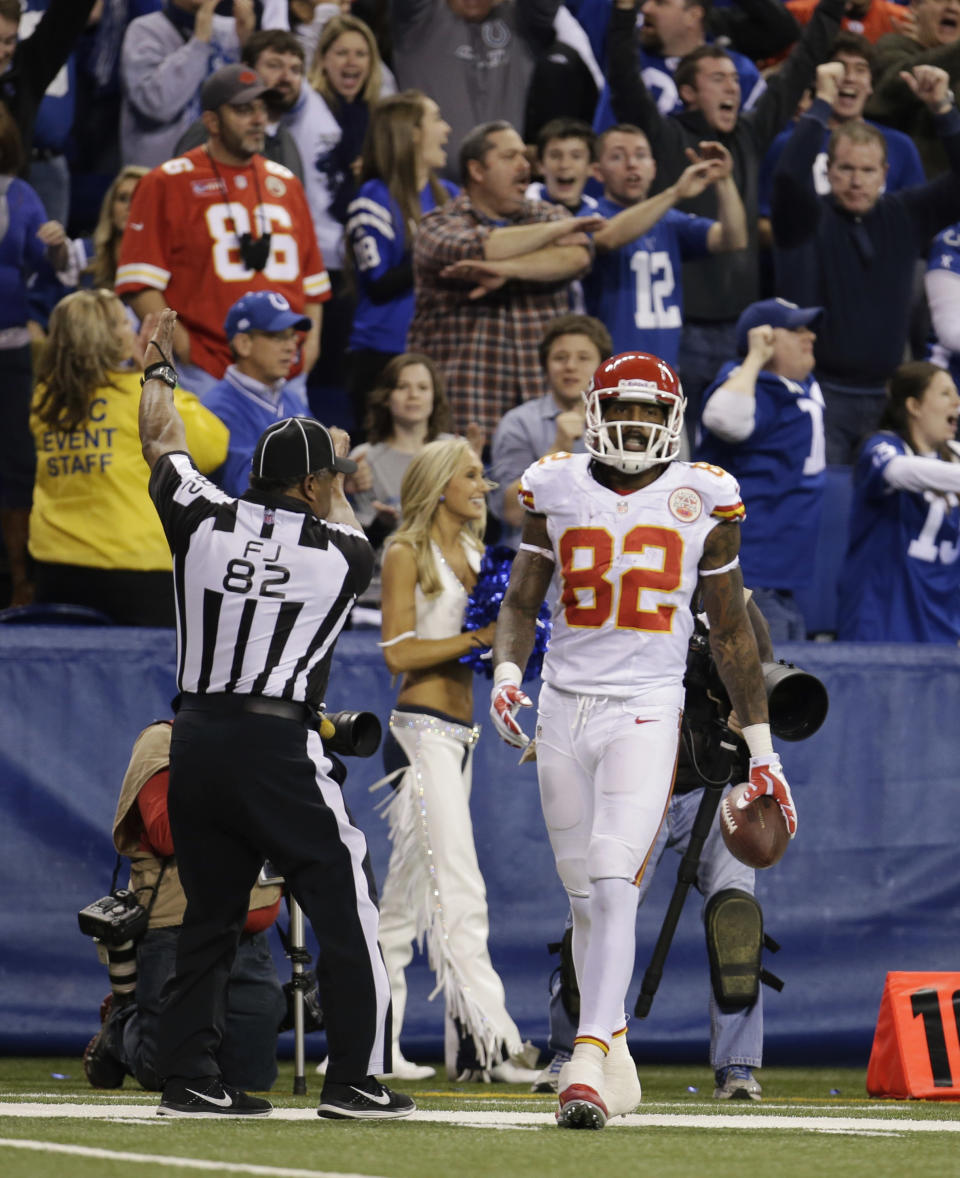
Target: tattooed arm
{"type": "Point", "coordinates": [734, 648]}
{"type": "Point", "coordinates": [732, 640]}
{"type": "Point", "coordinates": [529, 581]}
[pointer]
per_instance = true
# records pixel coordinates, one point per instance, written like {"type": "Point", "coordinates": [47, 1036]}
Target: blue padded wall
{"type": "Point", "coordinates": [871, 884]}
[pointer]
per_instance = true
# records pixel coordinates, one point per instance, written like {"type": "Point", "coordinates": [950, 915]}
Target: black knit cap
{"type": "Point", "coordinates": [295, 447]}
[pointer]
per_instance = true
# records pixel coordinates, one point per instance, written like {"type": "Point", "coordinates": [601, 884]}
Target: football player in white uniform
{"type": "Point", "coordinates": [630, 534]}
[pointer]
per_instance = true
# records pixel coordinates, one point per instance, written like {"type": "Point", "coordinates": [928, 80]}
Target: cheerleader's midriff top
{"type": "Point", "coordinates": [442, 616]}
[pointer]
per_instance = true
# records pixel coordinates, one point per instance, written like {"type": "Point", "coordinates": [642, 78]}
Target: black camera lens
{"type": "Point", "coordinates": [356, 734]}
{"type": "Point", "coordinates": [797, 701]}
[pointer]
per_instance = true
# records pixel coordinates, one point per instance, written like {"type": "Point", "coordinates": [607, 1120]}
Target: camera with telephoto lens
{"type": "Point", "coordinates": [350, 734]}
{"type": "Point", "coordinates": [796, 700]}
{"type": "Point", "coordinates": [114, 919]}
{"type": "Point", "coordinates": [797, 703]}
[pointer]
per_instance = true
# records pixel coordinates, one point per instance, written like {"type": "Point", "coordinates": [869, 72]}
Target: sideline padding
{"type": "Point", "coordinates": [870, 885]}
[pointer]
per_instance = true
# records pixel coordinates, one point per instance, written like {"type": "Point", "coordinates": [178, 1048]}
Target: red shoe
{"type": "Point", "coordinates": [581, 1103]}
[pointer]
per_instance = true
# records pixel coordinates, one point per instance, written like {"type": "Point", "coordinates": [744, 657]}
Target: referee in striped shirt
{"type": "Point", "coordinates": [263, 584]}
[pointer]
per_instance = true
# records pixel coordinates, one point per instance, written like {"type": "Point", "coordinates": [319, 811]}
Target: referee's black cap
{"type": "Point", "coordinates": [295, 447]}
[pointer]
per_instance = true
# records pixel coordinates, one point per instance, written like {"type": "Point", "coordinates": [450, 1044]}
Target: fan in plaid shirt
{"type": "Point", "coordinates": [491, 270]}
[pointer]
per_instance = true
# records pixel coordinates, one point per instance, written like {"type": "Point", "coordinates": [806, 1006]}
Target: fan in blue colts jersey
{"type": "Point", "coordinates": [671, 29]}
{"type": "Point", "coordinates": [405, 148]}
{"type": "Point", "coordinates": [634, 286]}
{"type": "Point", "coordinates": [943, 298]}
{"type": "Point", "coordinates": [901, 579]}
{"type": "Point", "coordinates": [763, 421]}
{"type": "Point", "coordinates": [265, 337]}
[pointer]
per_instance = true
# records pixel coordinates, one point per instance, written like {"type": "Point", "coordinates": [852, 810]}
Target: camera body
{"type": "Point", "coordinates": [711, 755]}
{"type": "Point", "coordinates": [797, 702]}
{"type": "Point", "coordinates": [114, 919]}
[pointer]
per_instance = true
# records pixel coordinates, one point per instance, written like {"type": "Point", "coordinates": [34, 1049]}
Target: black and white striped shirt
{"type": "Point", "coordinates": [263, 587]}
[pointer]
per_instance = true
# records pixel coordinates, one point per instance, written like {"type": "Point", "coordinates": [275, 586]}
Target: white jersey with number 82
{"type": "Point", "coordinates": [627, 567]}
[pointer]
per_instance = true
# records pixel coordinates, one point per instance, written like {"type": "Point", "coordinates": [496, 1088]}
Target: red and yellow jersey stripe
{"type": "Point", "coordinates": [735, 511]}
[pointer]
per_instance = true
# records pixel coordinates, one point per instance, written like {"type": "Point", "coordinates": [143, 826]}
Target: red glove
{"type": "Point", "coordinates": [505, 699]}
{"type": "Point", "coordinates": [766, 777]}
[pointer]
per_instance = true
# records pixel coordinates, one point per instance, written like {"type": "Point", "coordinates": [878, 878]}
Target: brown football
{"type": "Point", "coordinates": [756, 835]}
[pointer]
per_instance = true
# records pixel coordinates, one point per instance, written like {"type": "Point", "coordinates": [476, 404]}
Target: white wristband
{"type": "Point", "coordinates": [399, 638]}
{"type": "Point", "coordinates": [758, 740]}
{"type": "Point", "coordinates": [507, 673]}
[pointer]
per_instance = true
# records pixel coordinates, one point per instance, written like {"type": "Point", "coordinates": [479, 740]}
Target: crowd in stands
{"type": "Point", "coordinates": [423, 218]}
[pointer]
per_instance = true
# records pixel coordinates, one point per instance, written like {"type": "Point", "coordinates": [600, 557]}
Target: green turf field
{"type": "Point", "coordinates": [811, 1123]}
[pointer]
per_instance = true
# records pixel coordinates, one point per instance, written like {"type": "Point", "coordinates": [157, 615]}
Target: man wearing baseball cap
{"type": "Point", "coordinates": [219, 222]}
{"type": "Point", "coordinates": [264, 584]}
{"type": "Point", "coordinates": [265, 336]}
{"type": "Point", "coordinates": [762, 420]}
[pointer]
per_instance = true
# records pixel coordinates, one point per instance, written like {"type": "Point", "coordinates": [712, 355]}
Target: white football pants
{"type": "Point", "coordinates": [606, 769]}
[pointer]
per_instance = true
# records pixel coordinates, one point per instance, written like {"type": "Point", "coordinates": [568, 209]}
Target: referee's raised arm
{"type": "Point", "coordinates": [161, 426]}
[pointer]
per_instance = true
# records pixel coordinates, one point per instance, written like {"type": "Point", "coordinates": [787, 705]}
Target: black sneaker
{"type": "Point", "coordinates": [207, 1096]}
{"type": "Point", "coordinates": [368, 1100]}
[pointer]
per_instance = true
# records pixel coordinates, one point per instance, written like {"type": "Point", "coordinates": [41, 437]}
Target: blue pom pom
{"type": "Point", "coordinates": [483, 606]}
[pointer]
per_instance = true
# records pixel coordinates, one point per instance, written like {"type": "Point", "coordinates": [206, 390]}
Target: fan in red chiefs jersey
{"type": "Point", "coordinates": [213, 224]}
{"type": "Point", "coordinates": [630, 534]}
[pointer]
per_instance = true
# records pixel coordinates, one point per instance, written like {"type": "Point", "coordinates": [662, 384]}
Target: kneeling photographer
{"type": "Point", "coordinates": [127, 1043]}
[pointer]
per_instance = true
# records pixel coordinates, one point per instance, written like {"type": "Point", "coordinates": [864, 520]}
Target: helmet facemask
{"type": "Point", "coordinates": [606, 441]}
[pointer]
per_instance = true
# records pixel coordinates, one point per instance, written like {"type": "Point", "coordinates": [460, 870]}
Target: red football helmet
{"type": "Point", "coordinates": [634, 376]}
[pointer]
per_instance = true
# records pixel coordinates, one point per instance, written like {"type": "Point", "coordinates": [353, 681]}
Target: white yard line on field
{"type": "Point", "coordinates": [721, 1119]}
{"type": "Point", "coordinates": [116, 1155]}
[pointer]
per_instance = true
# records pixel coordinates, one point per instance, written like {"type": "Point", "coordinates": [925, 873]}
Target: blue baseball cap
{"type": "Point", "coordinates": [263, 310]}
{"type": "Point", "coordinates": [774, 313]}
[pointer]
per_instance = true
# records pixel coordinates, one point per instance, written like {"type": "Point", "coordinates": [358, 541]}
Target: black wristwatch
{"type": "Point", "coordinates": [160, 371]}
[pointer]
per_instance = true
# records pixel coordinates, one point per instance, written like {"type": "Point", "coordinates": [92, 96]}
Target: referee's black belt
{"type": "Point", "coordinates": [233, 703]}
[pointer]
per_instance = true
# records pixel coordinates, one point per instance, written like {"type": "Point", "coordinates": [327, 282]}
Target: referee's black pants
{"type": "Point", "coordinates": [243, 788]}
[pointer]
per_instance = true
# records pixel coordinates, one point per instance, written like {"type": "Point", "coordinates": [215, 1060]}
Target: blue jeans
{"type": "Point", "coordinates": [704, 348]}
{"type": "Point", "coordinates": [255, 1005]}
{"type": "Point", "coordinates": [782, 615]}
{"type": "Point", "coordinates": [736, 1037]}
{"type": "Point", "coordinates": [850, 415]}
{"type": "Point", "coordinates": [50, 179]}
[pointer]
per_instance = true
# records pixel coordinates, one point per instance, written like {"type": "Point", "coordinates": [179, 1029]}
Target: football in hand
{"type": "Point", "coordinates": [756, 835]}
